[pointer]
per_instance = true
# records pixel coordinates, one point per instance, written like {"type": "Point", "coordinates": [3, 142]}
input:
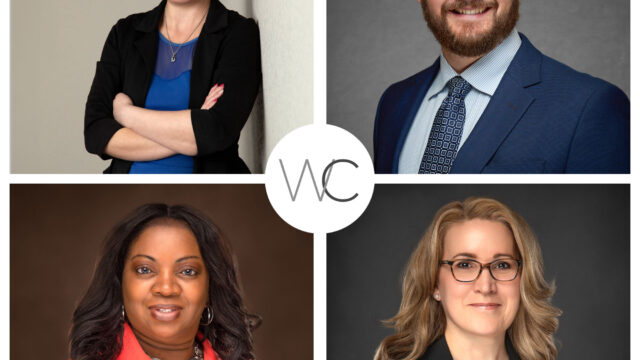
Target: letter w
{"type": "Point", "coordinates": [306, 166]}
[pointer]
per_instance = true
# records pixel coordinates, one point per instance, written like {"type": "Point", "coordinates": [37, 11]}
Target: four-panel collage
{"type": "Point", "coordinates": [320, 179]}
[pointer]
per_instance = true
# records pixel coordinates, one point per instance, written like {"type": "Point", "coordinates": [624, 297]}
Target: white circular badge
{"type": "Point", "coordinates": [319, 178]}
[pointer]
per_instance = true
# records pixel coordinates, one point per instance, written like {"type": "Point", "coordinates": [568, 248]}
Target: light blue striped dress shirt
{"type": "Point", "coordinates": [484, 76]}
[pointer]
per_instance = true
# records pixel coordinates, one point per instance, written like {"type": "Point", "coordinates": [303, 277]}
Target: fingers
{"type": "Point", "coordinates": [214, 94]}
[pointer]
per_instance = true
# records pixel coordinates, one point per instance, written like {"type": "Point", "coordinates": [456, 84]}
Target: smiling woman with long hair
{"type": "Point", "coordinates": [165, 288]}
{"type": "Point", "coordinates": [474, 288]}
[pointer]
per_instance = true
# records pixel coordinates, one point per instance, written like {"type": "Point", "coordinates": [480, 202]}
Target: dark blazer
{"type": "Point", "coordinates": [227, 52]}
{"type": "Point", "coordinates": [543, 118]}
{"type": "Point", "coordinates": [439, 350]}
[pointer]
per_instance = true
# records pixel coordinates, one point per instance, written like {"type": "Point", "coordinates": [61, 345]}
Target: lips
{"type": "Point", "coordinates": [485, 306]}
{"type": "Point", "coordinates": [473, 11]}
{"type": "Point", "coordinates": [165, 312]}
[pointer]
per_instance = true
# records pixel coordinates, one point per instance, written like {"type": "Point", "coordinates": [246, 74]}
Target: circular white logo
{"type": "Point", "coordinates": [319, 178]}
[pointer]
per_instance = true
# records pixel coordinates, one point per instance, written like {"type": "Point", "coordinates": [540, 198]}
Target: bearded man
{"type": "Point", "coordinates": [493, 103]}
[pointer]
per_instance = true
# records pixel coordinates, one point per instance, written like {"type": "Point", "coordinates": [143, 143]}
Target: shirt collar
{"type": "Point", "coordinates": [485, 74]}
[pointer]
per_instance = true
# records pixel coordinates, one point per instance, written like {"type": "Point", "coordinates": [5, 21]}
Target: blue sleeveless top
{"type": "Point", "coordinates": [169, 91]}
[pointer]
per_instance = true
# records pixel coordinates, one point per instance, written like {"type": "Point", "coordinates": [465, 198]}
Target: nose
{"type": "Point", "coordinates": [166, 284]}
{"type": "Point", "coordinates": [485, 284]}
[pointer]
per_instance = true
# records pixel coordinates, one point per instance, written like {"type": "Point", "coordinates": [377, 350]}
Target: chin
{"type": "Point", "coordinates": [167, 332]}
{"type": "Point", "coordinates": [471, 32]}
{"type": "Point", "coordinates": [484, 329]}
{"type": "Point", "coordinates": [480, 325]}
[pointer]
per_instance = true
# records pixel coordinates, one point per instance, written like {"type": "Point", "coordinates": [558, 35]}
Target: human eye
{"type": "Point", "coordinates": [189, 272]}
{"type": "Point", "coordinates": [465, 264]}
{"type": "Point", "coordinates": [143, 270]}
{"type": "Point", "coordinates": [503, 265]}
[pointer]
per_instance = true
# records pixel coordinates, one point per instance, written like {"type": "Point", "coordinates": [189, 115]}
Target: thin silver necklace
{"type": "Point", "coordinates": [166, 28]}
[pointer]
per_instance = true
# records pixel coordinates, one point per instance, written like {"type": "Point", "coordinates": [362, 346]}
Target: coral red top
{"type": "Point", "coordinates": [131, 349]}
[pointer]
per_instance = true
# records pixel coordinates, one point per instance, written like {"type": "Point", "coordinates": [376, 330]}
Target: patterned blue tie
{"type": "Point", "coordinates": [446, 130]}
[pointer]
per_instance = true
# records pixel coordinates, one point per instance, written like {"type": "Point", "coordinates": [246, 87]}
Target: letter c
{"type": "Point", "coordinates": [324, 180]}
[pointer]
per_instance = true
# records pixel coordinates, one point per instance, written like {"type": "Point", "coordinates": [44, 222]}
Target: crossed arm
{"type": "Point", "coordinates": [150, 134]}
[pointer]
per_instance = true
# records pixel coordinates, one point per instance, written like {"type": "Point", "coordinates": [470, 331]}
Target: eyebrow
{"type": "Point", "coordinates": [153, 259]}
{"type": "Point", "coordinates": [188, 257]}
{"type": "Point", "coordinates": [473, 256]}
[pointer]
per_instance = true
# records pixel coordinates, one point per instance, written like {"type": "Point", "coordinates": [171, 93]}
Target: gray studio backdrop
{"type": "Point", "coordinates": [374, 43]}
{"type": "Point", "coordinates": [583, 231]}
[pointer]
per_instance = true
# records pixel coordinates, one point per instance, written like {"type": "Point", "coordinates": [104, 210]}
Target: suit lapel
{"type": "Point", "coordinates": [205, 53]}
{"type": "Point", "coordinates": [146, 43]}
{"type": "Point", "coordinates": [202, 68]}
{"type": "Point", "coordinates": [438, 350]}
{"type": "Point", "coordinates": [408, 107]}
{"type": "Point", "coordinates": [147, 46]}
{"type": "Point", "coordinates": [506, 107]}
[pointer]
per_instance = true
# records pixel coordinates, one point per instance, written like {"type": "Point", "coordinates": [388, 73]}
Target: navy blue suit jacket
{"type": "Point", "coordinates": [543, 118]}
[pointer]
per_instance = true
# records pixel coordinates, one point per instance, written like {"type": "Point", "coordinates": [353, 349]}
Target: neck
{"type": "Point", "coordinates": [184, 17]}
{"type": "Point", "coordinates": [183, 351]}
{"type": "Point", "coordinates": [465, 346]}
{"type": "Point", "coordinates": [459, 63]}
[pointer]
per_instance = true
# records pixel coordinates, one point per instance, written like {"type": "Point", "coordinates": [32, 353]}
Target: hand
{"type": "Point", "coordinates": [214, 94]}
{"type": "Point", "coordinates": [120, 103]}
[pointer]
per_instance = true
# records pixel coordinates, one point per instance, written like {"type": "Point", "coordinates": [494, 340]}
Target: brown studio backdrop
{"type": "Point", "coordinates": [57, 232]}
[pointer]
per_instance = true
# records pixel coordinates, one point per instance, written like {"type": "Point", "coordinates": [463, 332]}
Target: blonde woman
{"type": "Point", "coordinates": [474, 288]}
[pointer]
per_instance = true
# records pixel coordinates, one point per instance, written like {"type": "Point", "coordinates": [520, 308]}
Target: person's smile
{"type": "Point", "coordinates": [165, 312]}
{"type": "Point", "coordinates": [471, 13]}
{"type": "Point", "coordinates": [485, 306]}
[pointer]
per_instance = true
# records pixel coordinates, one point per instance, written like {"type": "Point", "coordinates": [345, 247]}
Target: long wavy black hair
{"type": "Point", "coordinates": [97, 321]}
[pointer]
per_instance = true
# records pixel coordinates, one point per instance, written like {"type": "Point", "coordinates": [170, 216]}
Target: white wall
{"type": "Point", "coordinates": [286, 32]}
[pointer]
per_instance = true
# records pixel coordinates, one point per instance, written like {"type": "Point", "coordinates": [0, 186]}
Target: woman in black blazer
{"type": "Point", "coordinates": [225, 58]}
{"type": "Point", "coordinates": [474, 288]}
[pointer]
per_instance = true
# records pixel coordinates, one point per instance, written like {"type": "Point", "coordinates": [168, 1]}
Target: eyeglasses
{"type": "Point", "coordinates": [467, 270]}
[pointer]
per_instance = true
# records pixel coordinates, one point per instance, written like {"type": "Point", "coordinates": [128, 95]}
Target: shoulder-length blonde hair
{"type": "Point", "coordinates": [421, 320]}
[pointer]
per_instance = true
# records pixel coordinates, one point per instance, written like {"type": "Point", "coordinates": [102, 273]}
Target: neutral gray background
{"type": "Point", "coordinates": [374, 43]}
{"type": "Point", "coordinates": [583, 231]}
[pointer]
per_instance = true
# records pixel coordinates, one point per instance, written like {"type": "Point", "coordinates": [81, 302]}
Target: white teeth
{"type": "Point", "coordinates": [165, 310]}
{"type": "Point", "coordinates": [470, 12]}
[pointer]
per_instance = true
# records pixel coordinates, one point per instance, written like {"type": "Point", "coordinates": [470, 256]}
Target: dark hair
{"type": "Point", "coordinates": [97, 327]}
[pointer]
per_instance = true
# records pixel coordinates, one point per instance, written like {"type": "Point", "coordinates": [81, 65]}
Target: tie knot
{"type": "Point", "coordinates": [458, 87]}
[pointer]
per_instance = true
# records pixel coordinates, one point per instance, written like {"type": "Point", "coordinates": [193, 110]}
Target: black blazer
{"type": "Point", "coordinates": [227, 52]}
{"type": "Point", "coordinates": [439, 350]}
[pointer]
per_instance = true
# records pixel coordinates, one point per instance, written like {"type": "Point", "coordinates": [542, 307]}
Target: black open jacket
{"type": "Point", "coordinates": [439, 350]}
{"type": "Point", "coordinates": [227, 52]}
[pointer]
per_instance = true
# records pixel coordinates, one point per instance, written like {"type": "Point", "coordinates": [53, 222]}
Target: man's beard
{"type": "Point", "coordinates": [473, 45]}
